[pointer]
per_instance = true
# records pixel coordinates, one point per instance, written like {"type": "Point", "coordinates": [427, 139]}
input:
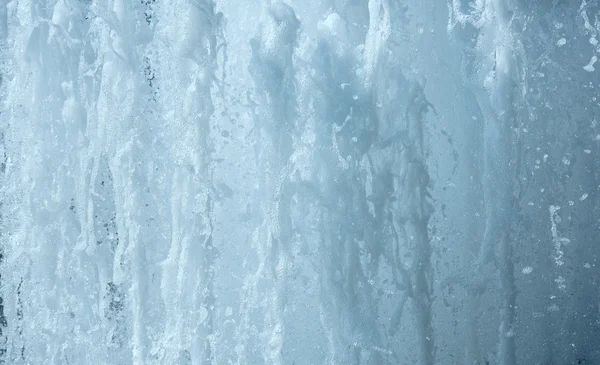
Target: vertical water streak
{"type": "Point", "coordinates": [344, 130]}
{"type": "Point", "coordinates": [188, 31]}
{"type": "Point", "coordinates": [325, 98]}
{"type": "Point", "coordinates": [494, 88]}
{"type": "Point", "coordinates": [415, 180]}
{"type": "Point", "coordinates": [272, 70]}
{"type": "Point", "coordinates": [121, 145]}
{"type": "Point", "coordinates": [4, 239]}
{"type": "Point", "coordinates": [49, 124]}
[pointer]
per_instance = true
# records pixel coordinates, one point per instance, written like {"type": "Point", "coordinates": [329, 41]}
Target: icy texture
{"type": "Point", "coordinates": [341, 182]}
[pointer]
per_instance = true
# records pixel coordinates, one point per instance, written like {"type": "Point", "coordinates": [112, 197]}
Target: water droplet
{"type": "Point", "coordinates": [527, 270]}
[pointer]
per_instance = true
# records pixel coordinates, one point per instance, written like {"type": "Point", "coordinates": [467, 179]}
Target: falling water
{"type": "Point", "coordinates": [331, 182]}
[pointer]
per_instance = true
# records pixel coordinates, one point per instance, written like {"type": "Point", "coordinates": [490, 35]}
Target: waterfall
{"type": "Point", "coordinates": [286, 182]}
